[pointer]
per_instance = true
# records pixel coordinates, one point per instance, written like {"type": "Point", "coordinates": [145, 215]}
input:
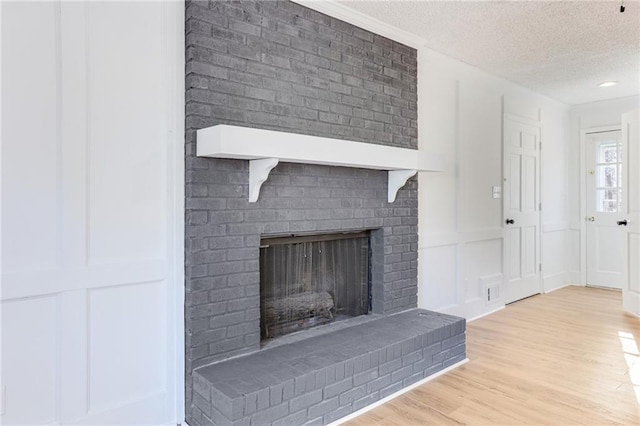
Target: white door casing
{"type": "Point", "coordinates": [92, 213]}
{"type": "Point", "coordinates": [604, 203]}
{"type": "Point", "coordinates": [521, 207]}
{"type": "Point", "coordinates": [631, 183]}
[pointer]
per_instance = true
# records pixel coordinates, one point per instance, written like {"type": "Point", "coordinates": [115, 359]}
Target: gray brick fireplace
{"type": "Point", "coordinates": [280, 66]}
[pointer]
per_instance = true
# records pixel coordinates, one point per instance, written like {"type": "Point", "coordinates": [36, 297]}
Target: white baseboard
{"type": "Point", "coordinates": [486, 313]}
{"type": "Point", "coordinates": [397, 394]}
{"type": "Point", "coordinates": [555, 281]}
{"type": "Point", "coordinates": [557, 288]}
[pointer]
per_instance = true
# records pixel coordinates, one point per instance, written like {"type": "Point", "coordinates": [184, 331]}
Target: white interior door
{"type": "Point", "coordinates": [521, 150]}
{"type": "Point", "coordinates": [631, 236]}
{"type": "Point", "coordinates": [91, 317]}
{"type": "Point", "coordinates": [604, 189]}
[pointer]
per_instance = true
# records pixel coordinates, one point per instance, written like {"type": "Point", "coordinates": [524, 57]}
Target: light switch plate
{"type": "Point", "coordinates": [496, 192]}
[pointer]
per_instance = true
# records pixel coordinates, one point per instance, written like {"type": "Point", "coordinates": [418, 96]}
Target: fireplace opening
{"type": "Point", "coordinates": [306, 281]}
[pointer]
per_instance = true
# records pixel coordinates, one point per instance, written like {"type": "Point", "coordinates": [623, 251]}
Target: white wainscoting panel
{"type": "Point", "coordinates": [439, 283]}
{"type": "Point", "coordinates": [482, 259]}
{"type": "Point", "coordinates": [33, 346]}
{"type": "Point", "coordinates": [126, 163]}
{"type": "Point", "coordinates": [31, 237]}
{"type": "Point", "coordinates": [92, 218]}
{"type": "Point", "coordinates": [120, 319]}
{"type": "Point", "coordinates": [574, 240]}
{"type": "Point", "coordinates": [555, 257]}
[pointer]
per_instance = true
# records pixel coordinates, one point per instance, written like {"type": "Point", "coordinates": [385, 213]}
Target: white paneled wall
{"type": "Point", "coordinates": [92, 212]}
{"type": "Point", "coordinates": [460, 224]}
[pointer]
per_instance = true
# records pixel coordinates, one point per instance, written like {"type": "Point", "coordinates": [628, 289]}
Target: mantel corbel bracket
{"type": "Point", "coordinates": [397, 179]}
{"type": "Point", "coordinates": [258, 173]}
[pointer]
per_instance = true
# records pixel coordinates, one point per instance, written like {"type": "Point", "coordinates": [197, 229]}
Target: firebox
{"type": "Point", "coordinates": [311, 280]}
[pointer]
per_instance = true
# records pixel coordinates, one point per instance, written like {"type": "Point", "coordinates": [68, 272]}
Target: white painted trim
{"type": "Point", "coordinates": [574, 279]}
{"type": "Point", "coordinates": [486, 314]}
{"type": "Point", "coordinates": [602, 287]}
{"type": "Point", "coordinates": [359, 19]}
{"type": "Point", "coordinates": [452, 238]}
{"type": "Point", "coordinates": [245, 143]}
{"type": "Point", "coordinates": [397, 179]}
{"type": "Point", "coordinates": [547, 281]}
{"type": "Point", "coordinates": [541, 203]}
{"type": "Point", "coordinates": [259, 170]}
{"type": "Point", "coordinates": [174, 13]}
{"type": "Point", "coordinates": [555, 227]}
{"type": "Point", "coordinates": [266, 148]}
{"type": "Point", "coordinates": [525, 120]}
{"type": "Point", "coordinates": [558, 288]}
{"type": "Point", "coordinates": [584, 131]}
{"type": "Point", "coordinates": [397, 394]}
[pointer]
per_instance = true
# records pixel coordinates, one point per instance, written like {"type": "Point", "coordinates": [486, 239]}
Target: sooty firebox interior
{"type": "Point", "coordinates": [307, 281]}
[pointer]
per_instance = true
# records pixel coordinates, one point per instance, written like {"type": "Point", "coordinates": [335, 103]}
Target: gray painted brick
{"type": "Point", "coordinates": [250, 403]}
{"type": "Point", "coordinates": [263, 399]}
{"type": "Point", "coordinates": [379, 383]}
{"type": "Point", "coordinates": [270, 414]}
{"type": "Point", "coordinates": [348, 397]}
{"type": "Point", "coordinates": [413, 379]}
{"type": "Point", "coordinates": [279, 65]}
{"type": "Point", "coordinates": [337, 388]}
{"type": "Point", "coordinates": [287, 391]}
{"type": "Point", "coordinates": [403, 373]}
{"type": "Point", "coordinates": [324, 407]}
{"type": "Point", "coordinates": [453, 360]}
{"type": "Point", "coordinates": [385, 392]}
{"type": "Point", "coordinates": [453, 341]}
{"type": "Point", "coordinates": [395, 337]}
{"type": "Point", "coordinates": [294, 419]}
{"type": "Point", "coordinates": [365, 377]}
{"type": "Point", "coordinates": [337, 414]}
{"type": "Point", "coordinates": [369, 399]}
{"type": "Point", "coordinates": [204, 406]}
{"type": "Point", "coordinates": [202, 387]}
{"type": "Point", "coordinates": [390, 366]}
{"type": "Point", "coordinates": [275, 393]}
{"type": "Point", "coordinates": [305, 400]}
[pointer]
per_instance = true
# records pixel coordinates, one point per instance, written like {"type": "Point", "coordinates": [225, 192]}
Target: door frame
{"type": "Point", "coordinates": [536, 123]}
{"type": "Point", "coordinates": [583, 192]}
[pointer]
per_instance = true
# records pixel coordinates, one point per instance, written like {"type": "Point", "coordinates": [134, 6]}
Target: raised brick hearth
{"type": "Point", "coordinates": [321, 379]}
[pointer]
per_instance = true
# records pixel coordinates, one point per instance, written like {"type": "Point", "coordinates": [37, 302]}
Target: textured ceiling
{"type": "Point", "coordinates": [558, 48]}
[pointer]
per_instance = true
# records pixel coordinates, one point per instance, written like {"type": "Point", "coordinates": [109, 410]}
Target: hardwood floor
{"type": "Point", "coordinates": [567, 357]}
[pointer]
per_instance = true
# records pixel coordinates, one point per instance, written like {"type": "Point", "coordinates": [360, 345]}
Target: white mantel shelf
{"type": "Point", "coordinates": [266, 148]}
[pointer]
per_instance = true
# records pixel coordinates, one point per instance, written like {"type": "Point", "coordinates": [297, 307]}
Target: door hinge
{"type": "Point", "coordinates": [540, 267]}
{"type": "Point", "coordinates": [540, 206]}
{"type": "Point", "coordinates": [540, 144]}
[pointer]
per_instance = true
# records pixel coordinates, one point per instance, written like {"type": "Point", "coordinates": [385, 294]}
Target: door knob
{"type": "Point", "coordinates": [510, 221]}
{"type": "Point", "coordinates": [622, 222]}
{"type": "Point", "coordinates": [591, 219]}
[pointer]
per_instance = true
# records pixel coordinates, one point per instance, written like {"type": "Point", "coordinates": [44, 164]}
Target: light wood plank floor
{"type": "Point", "coordinates": [568, 357]}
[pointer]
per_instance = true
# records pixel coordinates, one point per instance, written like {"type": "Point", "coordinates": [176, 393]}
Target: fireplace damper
{"type": "Point", "coordinates": [307, 281]}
